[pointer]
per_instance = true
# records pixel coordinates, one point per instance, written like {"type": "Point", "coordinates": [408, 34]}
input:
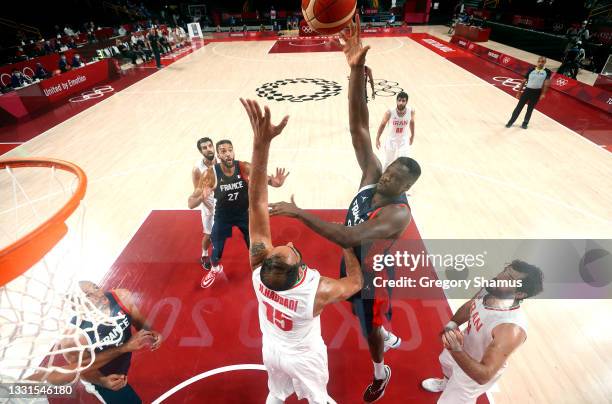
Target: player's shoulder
{"type": "Point", "coordinates": [125, 296]}
{"type": "Point", "coordinates": [398, 212]}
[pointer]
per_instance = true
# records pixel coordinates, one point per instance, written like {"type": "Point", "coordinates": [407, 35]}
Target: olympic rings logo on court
{"type": "Point", "coordinates": [324, 89]}
{"type": "Point", "coordinates": [561, 82]}
{"type": "Point", "coordinates": [386, 88]}
{"type": "Point", "coordinates": [94, 93]}
{"type": "Point", "coordinates": [515, 84]}
{"type": "Point", "coordinates": [306, 29]}
{"type": "Point", "coordinates": [506, 60]}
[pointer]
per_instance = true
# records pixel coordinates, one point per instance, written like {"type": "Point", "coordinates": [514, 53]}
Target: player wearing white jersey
{"type": "Point", "coordinates": [291, 295]}
{"type": "Point", "coordinates": [473, 360]}
{"type": "Point", "coordinates": [398, 142]}
{"type": "Point", "coordinates": [203, 197]}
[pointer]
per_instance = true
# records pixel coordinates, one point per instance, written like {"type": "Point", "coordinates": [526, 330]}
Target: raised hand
{"type": "Point", "coordinates": [263, 129]}
{"type": "Point", "coordinates": [352, 47]}
{"type": "Point", "coordinates": [279, 179]}
{"type": "Point", "coordinates": [288, 209]}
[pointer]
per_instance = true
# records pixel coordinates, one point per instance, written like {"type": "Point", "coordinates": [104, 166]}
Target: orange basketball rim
{"type": "Point", "coordinates": [18, 257]}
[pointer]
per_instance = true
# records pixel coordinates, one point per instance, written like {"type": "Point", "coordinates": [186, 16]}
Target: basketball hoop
{"type": "Point", "coordinates": [41, 234]}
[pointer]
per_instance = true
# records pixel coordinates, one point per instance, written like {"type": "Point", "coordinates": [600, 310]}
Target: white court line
{"type": "Point", "coordinates": [509, 95]}
{"type": "Point", "coordinates": [204, 375]}
{"type": "Point", "coordinates": [205, 90]}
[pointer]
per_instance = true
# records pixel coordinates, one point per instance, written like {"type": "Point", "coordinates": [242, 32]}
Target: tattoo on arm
{"type": "Point", "coordinates": [257, 249]}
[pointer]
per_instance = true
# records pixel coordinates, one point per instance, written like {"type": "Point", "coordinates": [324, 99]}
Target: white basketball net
{"type": "Point", "coordinates": [36, 308]}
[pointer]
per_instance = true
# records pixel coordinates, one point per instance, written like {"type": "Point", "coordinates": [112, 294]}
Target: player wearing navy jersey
{"type": "Point", "coordinates": [290, 294]}
{"type": "Point", "coordinates": [229, 181]}
{"type": "Point", "coordinates": [379, 211]}
{"type": "Point", "coordinates": [109, 382]}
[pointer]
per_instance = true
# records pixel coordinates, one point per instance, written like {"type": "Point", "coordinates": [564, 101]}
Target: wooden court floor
{"type": "Point", "coordinates": [480, 180]}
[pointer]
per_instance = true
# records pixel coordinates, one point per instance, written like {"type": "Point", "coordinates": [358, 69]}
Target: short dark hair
{"type": "Point", "coordinates": [223, 141]}
{"type": "Point", "coordinates": [402, 94]}
{"type": "Point", "coordinates": [533, 282]}
{"type": "Point", "coordinates": [203, 140]}
{"type": "Point", "coordinates": [277, 275]}
{"type": "Point", "coordinates": [413, 167]}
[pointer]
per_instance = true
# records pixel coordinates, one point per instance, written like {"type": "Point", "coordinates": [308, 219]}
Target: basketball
{"type": "Point", "coordinates": [328, 16]}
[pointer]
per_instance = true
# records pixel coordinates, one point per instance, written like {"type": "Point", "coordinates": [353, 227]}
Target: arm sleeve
{"type": "Point", "coordinates": [548, 74]}
{"type": "Point", "coordinates": [528, 73]}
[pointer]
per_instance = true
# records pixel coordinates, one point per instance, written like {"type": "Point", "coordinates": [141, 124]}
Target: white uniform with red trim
{"type": "Point", "coordinates": [208, 215]}
{"type": "Point", "coordinates": [397, 143]}
{"type": "Point", "coordinates": [460, 388]}
{"type": "Point", "coordinates": [293, 350]}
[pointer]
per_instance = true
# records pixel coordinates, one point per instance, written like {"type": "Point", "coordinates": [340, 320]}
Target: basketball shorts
{"type": "Point", "coordinates": [207, 222]}
{"type": "Point", "coordinates": [125, 395]}
{"type": "Point", "coordinates": [304, 372]}
{"type": "Point", "coordinates": [394, 150]}
{"type": "Point", "coordinates": [460, 388]}
{"type": "Point", "coordinates": [372, 306]}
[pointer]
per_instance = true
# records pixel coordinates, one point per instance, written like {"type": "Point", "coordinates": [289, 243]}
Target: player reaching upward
{"type": "Point", "coordinates": [368, 77]}
{"type": "Point", "coordinates": [229, 179]}
{"type": "Point", "coordinates": [204, 198]}
{"type": "Point", "coordinates": [397, 143]}
{"type": "Point", "coordinates": [290, 294]}
{"type": "Point", "coordinates": [379, 211]}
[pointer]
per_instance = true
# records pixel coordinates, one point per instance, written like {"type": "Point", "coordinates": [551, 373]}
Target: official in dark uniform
{"type": "Point", "coordinates": [154, 42]}
{"type": "Point", "coordinates": [533, 88]}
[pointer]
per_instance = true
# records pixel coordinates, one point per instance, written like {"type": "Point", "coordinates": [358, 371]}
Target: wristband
{"type": "Point", "coordinates": [451, 325]}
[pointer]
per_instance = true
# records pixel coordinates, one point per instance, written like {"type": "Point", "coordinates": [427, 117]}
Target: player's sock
{"type": "Point", "coordinates": [379, 370]}
{"type": "Point", "coordinates": [273, 400]}
{"type": "Point", "coordinates": [385, 333]}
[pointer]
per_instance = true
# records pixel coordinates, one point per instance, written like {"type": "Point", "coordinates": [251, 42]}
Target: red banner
{"type": "Point", "coordinates": [62, 86]}
{"type": "Point", "coordinates": [597, 97]}
{"type": "Point", "coordinates": [245, 35]}
{"type": "Point", "coordinates": [49, 62]}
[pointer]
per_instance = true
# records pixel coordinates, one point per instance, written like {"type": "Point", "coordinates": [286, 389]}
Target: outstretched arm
{"type": "Point", "coordinates": [358, 111]}
{"type": "Point", "coordinates": [259, 219]}
{"type": "Point", "coordinates": [337, 290]}
{"type": "Point", "coordinates": [138, 319]}
{"type": "Point", "coordinates": [389, 223]}
{"type": "Point", "coordinates": [371, 78]}
{"type": "Point", "coordinates": [276, 180]}
{"type": "Point", "coordinates": [68, 372]}
{"type": "Point", "coordinates": [381, 127]}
